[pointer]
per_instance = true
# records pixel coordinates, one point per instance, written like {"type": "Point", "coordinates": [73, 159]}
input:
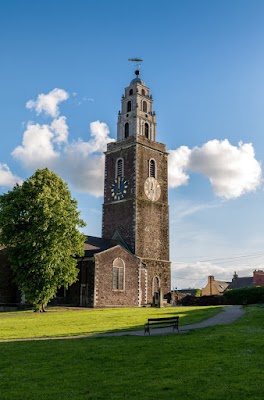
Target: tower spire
{"type": "Point", "coordinates": [136, 118]}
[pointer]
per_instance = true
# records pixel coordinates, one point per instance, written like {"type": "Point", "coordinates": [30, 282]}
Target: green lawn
{"type": "Point", "coordinates": [72, 322]}
{"type": "Point", "coordinates": [223, 362]}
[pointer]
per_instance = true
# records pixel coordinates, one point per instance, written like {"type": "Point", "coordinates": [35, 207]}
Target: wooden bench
{"type": "Point", "coordinates": [161, 323]}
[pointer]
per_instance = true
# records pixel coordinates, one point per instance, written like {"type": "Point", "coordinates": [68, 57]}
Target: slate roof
{"type": "Point", "coordinates": [243, 282]}
{"type": "Point", "coordinates": [94, 245]}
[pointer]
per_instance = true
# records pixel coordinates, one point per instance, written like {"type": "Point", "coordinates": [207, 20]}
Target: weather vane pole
{"type": "Point", "coordinates": [136, 62]}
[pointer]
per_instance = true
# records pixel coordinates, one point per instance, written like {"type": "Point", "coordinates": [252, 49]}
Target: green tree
{"type": "Point", "coordinates": [39, 224]}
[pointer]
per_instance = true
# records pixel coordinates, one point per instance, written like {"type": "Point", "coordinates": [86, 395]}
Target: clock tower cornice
{"type": "Point", "coordinates": [133, 141]}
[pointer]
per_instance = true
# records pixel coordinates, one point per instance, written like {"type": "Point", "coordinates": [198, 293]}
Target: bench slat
{"type": "Point", "coordinates": [165, 321]}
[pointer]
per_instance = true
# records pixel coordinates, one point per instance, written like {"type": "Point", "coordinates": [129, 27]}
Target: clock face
{"type": "Point", "coordinates": [119, 188]}
{"type": "Point", "coordinates": [152, 189]}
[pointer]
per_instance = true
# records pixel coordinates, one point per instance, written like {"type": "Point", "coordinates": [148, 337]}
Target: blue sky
{"type": "Point", "coordinates": [204, 64]}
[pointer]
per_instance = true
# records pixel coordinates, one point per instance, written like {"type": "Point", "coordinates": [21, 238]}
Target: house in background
{"type": "Point", "coordinates": [247, 281]}
{"type": "Point", "coordinates": [214, 287]}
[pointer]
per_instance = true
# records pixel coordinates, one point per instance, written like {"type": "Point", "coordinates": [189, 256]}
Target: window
{"type": "Point", "coordinates": [143, 92]}
{"type": "Point", "coordinates": [119, 168]}
{"type": "Point", "coordinates": [130, 92]}
{"type": "Point", "coordinates": [144, 106]}
{"type": "Point", "coordinates": [146, 131]}
{"type": "Point", "coordinates": [152, 168]}
{"type": "Point", "coordinates": [118, 274]}
{"type": "Point", "coordinates": [126, 130]}
{"type": "Point", "coordinates": [128, 106]}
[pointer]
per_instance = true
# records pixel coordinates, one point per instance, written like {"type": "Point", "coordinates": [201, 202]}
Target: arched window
{"type": "Point", "coordinates": [143, 92]}
{"type": "Point", "coordinates": [146, 130]}
{"type": "Point", "coordinates": [128, 106]}
{"type": "Point", "coordinates": [152, 168]}
{"type": "Point", "coordinates": [126, 130]}
{"type": "Point", "coordinates": [119, 168]}
{"type": "Point", "coordinates": [118, 274]}
{"type": "Point", "coordinates": [155, 285]}
{"type": "Point", "coordinates": [144, 106]}
{"type": "Point", "coordinates": [130, 92]}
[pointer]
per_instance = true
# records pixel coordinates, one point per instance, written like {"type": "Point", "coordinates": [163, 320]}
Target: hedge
{"type": "Point", "coordinates": [249, 295]}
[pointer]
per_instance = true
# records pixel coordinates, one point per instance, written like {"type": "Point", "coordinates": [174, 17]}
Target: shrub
{"type": "Point", "coordinates": [250, 295]}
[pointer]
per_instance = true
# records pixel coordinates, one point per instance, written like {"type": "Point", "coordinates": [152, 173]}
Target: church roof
{"type": "Point", "coordinates": [94, 245]}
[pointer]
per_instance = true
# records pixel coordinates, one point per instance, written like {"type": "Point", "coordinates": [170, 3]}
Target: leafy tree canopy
{"type": "Point", "coordinates": [39, 224]}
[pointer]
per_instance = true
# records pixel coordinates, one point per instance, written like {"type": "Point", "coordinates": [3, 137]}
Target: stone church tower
{"type": "Point", "coordinates": [135, 209]}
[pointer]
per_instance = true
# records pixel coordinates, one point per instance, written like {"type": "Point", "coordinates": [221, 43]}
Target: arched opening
{"type": "Point", "coordinates": [146, 130]}
{"type": "Point", "coordinates": [120, 168]}
{"type": "Point", "coordinates": [152, 168]}
{"type": "Point", "coordinates": [144, 106]}
{"type": "Point", "coordinates": [118, 274]}
{"type": "Point", "coordinates": [128, 106]}
{"type": "Point", "coordinates": [130, 92]}
{"type": "Point", "coordinates": [143, 92]}
{"type": "Point", "coordinates": [155, 290]}
{"type": "Point", "coordinates": [126, 130]}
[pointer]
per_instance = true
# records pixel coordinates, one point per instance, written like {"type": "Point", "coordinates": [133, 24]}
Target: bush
{"type": "Point", "coordinates": [202, 301]}
{"type": "Point", "coordinates": [249, 295]}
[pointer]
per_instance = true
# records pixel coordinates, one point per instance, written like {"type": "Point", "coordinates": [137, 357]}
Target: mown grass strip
{"type": "Point", "coordinates": [73, 322]}
{"type": "Point", "coordinates": [223, 362]}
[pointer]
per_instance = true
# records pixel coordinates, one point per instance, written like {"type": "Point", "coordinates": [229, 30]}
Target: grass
{"type": "Point", "coordinates": [223, 362]}
{"type": "Point", "coordinates": [72, 322]}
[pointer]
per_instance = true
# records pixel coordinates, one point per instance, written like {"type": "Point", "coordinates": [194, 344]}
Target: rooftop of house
{"type": "Point", "coordinates": [221, 285]}
{"type": "Point", "coordinates": [237, 283]}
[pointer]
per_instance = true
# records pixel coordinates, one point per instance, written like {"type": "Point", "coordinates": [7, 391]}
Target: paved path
{"type": "Point", "coordinates": [227, 316]}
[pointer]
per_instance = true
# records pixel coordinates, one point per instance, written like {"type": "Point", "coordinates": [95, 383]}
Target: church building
{"type": "Point", "coordinates": [129, 266]}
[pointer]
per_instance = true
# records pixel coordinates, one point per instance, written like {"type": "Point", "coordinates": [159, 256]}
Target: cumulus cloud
{"type": "Point", "coordinates": [178, 161]}
{"type": "Point", "coordinates": [81, 163]}
{"type": "Point", "coordinates": [37, 149]}
{"type": "Point", "coordinates": [48, 103]}
{"type": "Point", "coordinates": [60, 129]}
{"type": "Point", "coordinates": [7, 178]}
{"type": "Point", "coordinates": [232, 170]}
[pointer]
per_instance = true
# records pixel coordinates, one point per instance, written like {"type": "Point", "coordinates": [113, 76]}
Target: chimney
{"type": "Point", "coordinates": [234, 277]}
{"type": "Point", "coordinates": [210, 282]}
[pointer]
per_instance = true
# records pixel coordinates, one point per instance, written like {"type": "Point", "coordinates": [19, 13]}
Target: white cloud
{"type": "Point", "coordinates": [48, 103]}
{"type": "Point", "coordinates": [60, 129]}
{"type": "Point", "coordinates": [231, 170]}
{"type": "Point", "coordinates": [178, 162]}
{"type": "Point", "coordinates": [7, 178]}
{"type": "Point", "coordinates": [81, 163]}
{"type": "Point", "coordinates": [37, 150]}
